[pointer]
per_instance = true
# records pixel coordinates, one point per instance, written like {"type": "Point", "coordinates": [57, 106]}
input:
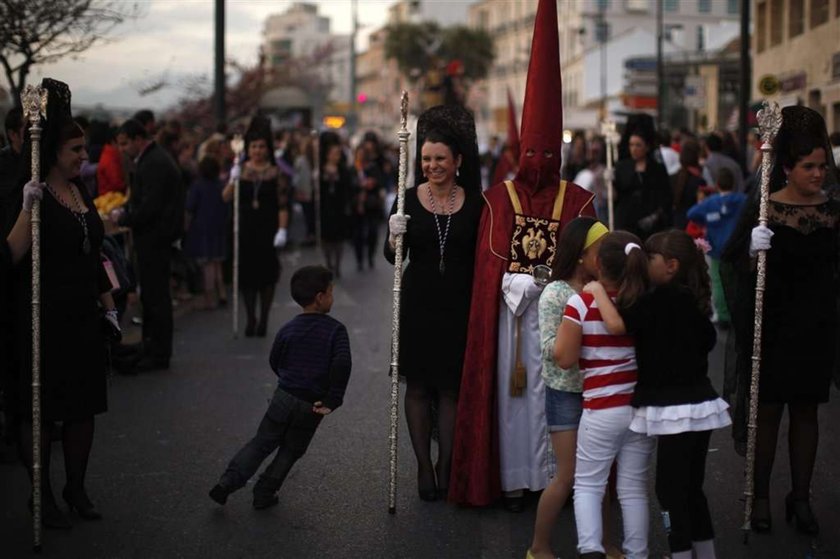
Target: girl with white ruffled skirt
{"type": "Point", "coordinates": [674, 399]}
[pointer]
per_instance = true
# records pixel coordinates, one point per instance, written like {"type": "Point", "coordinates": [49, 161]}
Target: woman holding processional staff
{"type": "Point", "coordinates": [440, 229]}
{"type": "Point", "coordinates": [77, 311]}
{"type": "Point", "coordinates": [800, 321]}
{"type": "Point", "coordinates": [264, 216]}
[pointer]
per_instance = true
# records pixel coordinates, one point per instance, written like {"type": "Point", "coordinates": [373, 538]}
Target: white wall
{"type": "Point", "coordinates": [637, 42]}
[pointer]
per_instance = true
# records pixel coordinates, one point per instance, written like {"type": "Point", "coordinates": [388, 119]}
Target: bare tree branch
{"type": "Point", "coordinates": [34, 32]}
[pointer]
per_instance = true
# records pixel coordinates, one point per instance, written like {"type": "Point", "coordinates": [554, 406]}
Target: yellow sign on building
{"type": "Point", "coordinates": [768, 85]}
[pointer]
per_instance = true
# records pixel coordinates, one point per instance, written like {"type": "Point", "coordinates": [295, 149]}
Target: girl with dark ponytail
{"type": "Point", "coordinates": [674, 398]}
{"type": "Point", "coordinates": [607, 363]}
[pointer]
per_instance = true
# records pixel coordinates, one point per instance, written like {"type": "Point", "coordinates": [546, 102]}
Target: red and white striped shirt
{"type": "Point", "coordinates": [607, 362]}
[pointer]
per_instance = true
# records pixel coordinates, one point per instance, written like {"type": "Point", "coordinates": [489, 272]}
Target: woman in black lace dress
{"type": "Point", "coordinates": [263, 218]}
{"type": "Point", "coordinates": [75, 294]}
{"type": "Point", "coordinates": [439, 244]}
{"type": "Point", "coordinates": [799, 328]}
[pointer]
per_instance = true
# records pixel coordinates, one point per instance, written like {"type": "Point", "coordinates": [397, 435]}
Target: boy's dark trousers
{"type": "Point", "coordinates": [288, 426]}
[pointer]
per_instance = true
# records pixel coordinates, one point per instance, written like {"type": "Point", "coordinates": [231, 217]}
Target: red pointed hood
{"type": "Point", "coordinates": [542, 114]}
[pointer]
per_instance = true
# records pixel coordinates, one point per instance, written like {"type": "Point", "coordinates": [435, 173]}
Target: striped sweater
{"type": "Point", "coordinates": [311, 357]}
{"type": "Point", "coordinates": [607, 362]}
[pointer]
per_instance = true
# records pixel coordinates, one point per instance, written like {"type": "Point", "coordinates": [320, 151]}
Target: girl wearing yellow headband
{"type": "Point", "coordinates": [574, 265]}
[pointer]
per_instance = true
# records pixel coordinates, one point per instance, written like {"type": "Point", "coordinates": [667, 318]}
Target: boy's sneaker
{"type": "Point", "coordinates": [265, 501]}
{"type": "Point", "coordinates": [219, 494]}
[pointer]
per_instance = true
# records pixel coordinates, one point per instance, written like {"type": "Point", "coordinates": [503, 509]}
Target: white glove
{"type": "Point", "coordinates": [398, 224]}
{"type": "Point", "coordinates": [533, 290]}
{"type": "Point", "coordinates": [519, 291]}
{"type": "Point", "coordinates": [235, 171]}
{"type": "Point", "coordinates": [760, 239]}
{"type": "Point", "coordinates": [113, 318]}
{"type": "Point", "coordinates": [32, 191]}
{"type": "Point", "coordinates": [609, 175]}
{"type": "Point", "coordinates": [280, 238]}
{"type": "Point", "coordinates": [116, 215]}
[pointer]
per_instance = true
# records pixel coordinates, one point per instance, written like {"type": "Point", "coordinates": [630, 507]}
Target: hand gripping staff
{"type": "Point", "coordinates": [237, 144]}
{"type": "Point", "coordinates": [34, 103]}
{"type": "Point", "coordinates": [769, 121]}
{"type": "Point", "coordinates": [403, 135]}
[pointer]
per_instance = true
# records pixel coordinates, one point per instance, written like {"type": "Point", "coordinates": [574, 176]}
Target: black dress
{"type": "Point", "coordinates": [336, 199]}
{"type": "Point", "coordinates": [799, 329]}
{"type": "Point", "coordinates": [73, 359]}
{"type": "Point", "coordinates": [260, 201]}
{"type": "Point", "coordinates": [435, 307]}
{"type": "Point", "coordinates": [800, 319]}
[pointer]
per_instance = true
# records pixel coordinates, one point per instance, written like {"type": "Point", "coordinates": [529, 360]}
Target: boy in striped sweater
{"type": "Point", "coordinates": [608, 365]}
{"type": "Point", "coordinates": [311, 358]}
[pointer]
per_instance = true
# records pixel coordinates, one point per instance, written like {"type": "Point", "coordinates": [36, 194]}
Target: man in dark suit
{"type": "Point", "coordinates": [155, 215]}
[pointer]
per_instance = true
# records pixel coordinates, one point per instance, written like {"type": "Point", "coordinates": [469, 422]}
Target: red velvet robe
{"type": "Point", "coordinates": [475, 479]}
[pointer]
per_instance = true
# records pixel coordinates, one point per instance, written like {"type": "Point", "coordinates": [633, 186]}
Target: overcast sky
{"type": "Point", "coordinates": [174, 39]}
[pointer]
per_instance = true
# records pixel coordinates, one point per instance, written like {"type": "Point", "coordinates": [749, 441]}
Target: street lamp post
{"type": "Point", "coordinates": [352, 121]}
{"type": "Point", "coordinates": [746, 75]}
{"type": "Point", "coordinates": [660, 70]}
{"type": "Point", "coordinates": [603, 37]}
{"type": "Point", "coordinates": [219, 73]}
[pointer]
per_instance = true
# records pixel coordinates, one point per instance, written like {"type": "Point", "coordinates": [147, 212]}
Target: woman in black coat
{"type": "Point", "coordinates": [643, 202]}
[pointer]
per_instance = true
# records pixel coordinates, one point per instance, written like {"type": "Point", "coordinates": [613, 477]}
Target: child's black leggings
{"type": "Point", "coordinates": [680, 469]}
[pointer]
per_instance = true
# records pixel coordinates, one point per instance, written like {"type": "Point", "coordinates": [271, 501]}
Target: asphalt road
{"type": "Point", "coordinates": [168, 436]}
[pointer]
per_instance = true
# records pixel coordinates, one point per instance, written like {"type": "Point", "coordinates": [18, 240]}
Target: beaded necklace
{"type": "Point", "coordinates": [442, 236]}
{"type": "Point", "coordinates": [80, 217]}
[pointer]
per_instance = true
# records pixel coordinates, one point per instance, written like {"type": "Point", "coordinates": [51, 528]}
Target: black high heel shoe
{"type": "Point", "coordinates": [761, 522]}
{"type": "Point", "coordinates": [261, 330]}
{"type": "Point", "coordinates": [425, 491]}
{"type": "Point", "coordinates": [52, 516]}
{"type": "Point", "coordinates": [78, 500]}
{"type": "Point", "coordinates": [427, 495]}
{"type": "Point", "coordinates": [801, 510]}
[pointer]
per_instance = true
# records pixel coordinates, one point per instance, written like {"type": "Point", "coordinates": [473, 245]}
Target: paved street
{"type": "Point", "coordinates": [168, 436]}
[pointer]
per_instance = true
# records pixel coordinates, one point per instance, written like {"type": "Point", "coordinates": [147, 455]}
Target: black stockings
{"type": "Point", "coordinates": [803, 438]}
{"type": "Point", "coordinates": [418, 409]}
{"type": "Point", "coordinates": [249, 296]}
{"type": "Point", "coordinates": [266, 298]}
{"type": "Point", "coordinates": [332, 254]}
{"type": "Point", "coordinates": [76, 441]}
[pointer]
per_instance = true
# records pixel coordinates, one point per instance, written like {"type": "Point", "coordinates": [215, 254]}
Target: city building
{"type": "Point", "coordinates": [796, 54]}
{"type": "Point", "coordinates": [301, 36]}
{"type": "Point", "coordinates": [442, 12]}
{"type": "Point", "coordinates": [378, 87]}
{"type": "Point", "coordinates": [378, 80]}
{"type": "Point", "coordinates": [700, 90]}
{"type": "Point", "coordinates": [596, 37]}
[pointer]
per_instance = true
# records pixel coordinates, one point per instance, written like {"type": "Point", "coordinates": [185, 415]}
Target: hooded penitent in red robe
{"type": "Point", "coordinates": [475, 478]}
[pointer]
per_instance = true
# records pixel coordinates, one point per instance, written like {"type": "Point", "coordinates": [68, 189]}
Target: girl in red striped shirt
{"type": "Point", "coordinates": [608, 365]}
